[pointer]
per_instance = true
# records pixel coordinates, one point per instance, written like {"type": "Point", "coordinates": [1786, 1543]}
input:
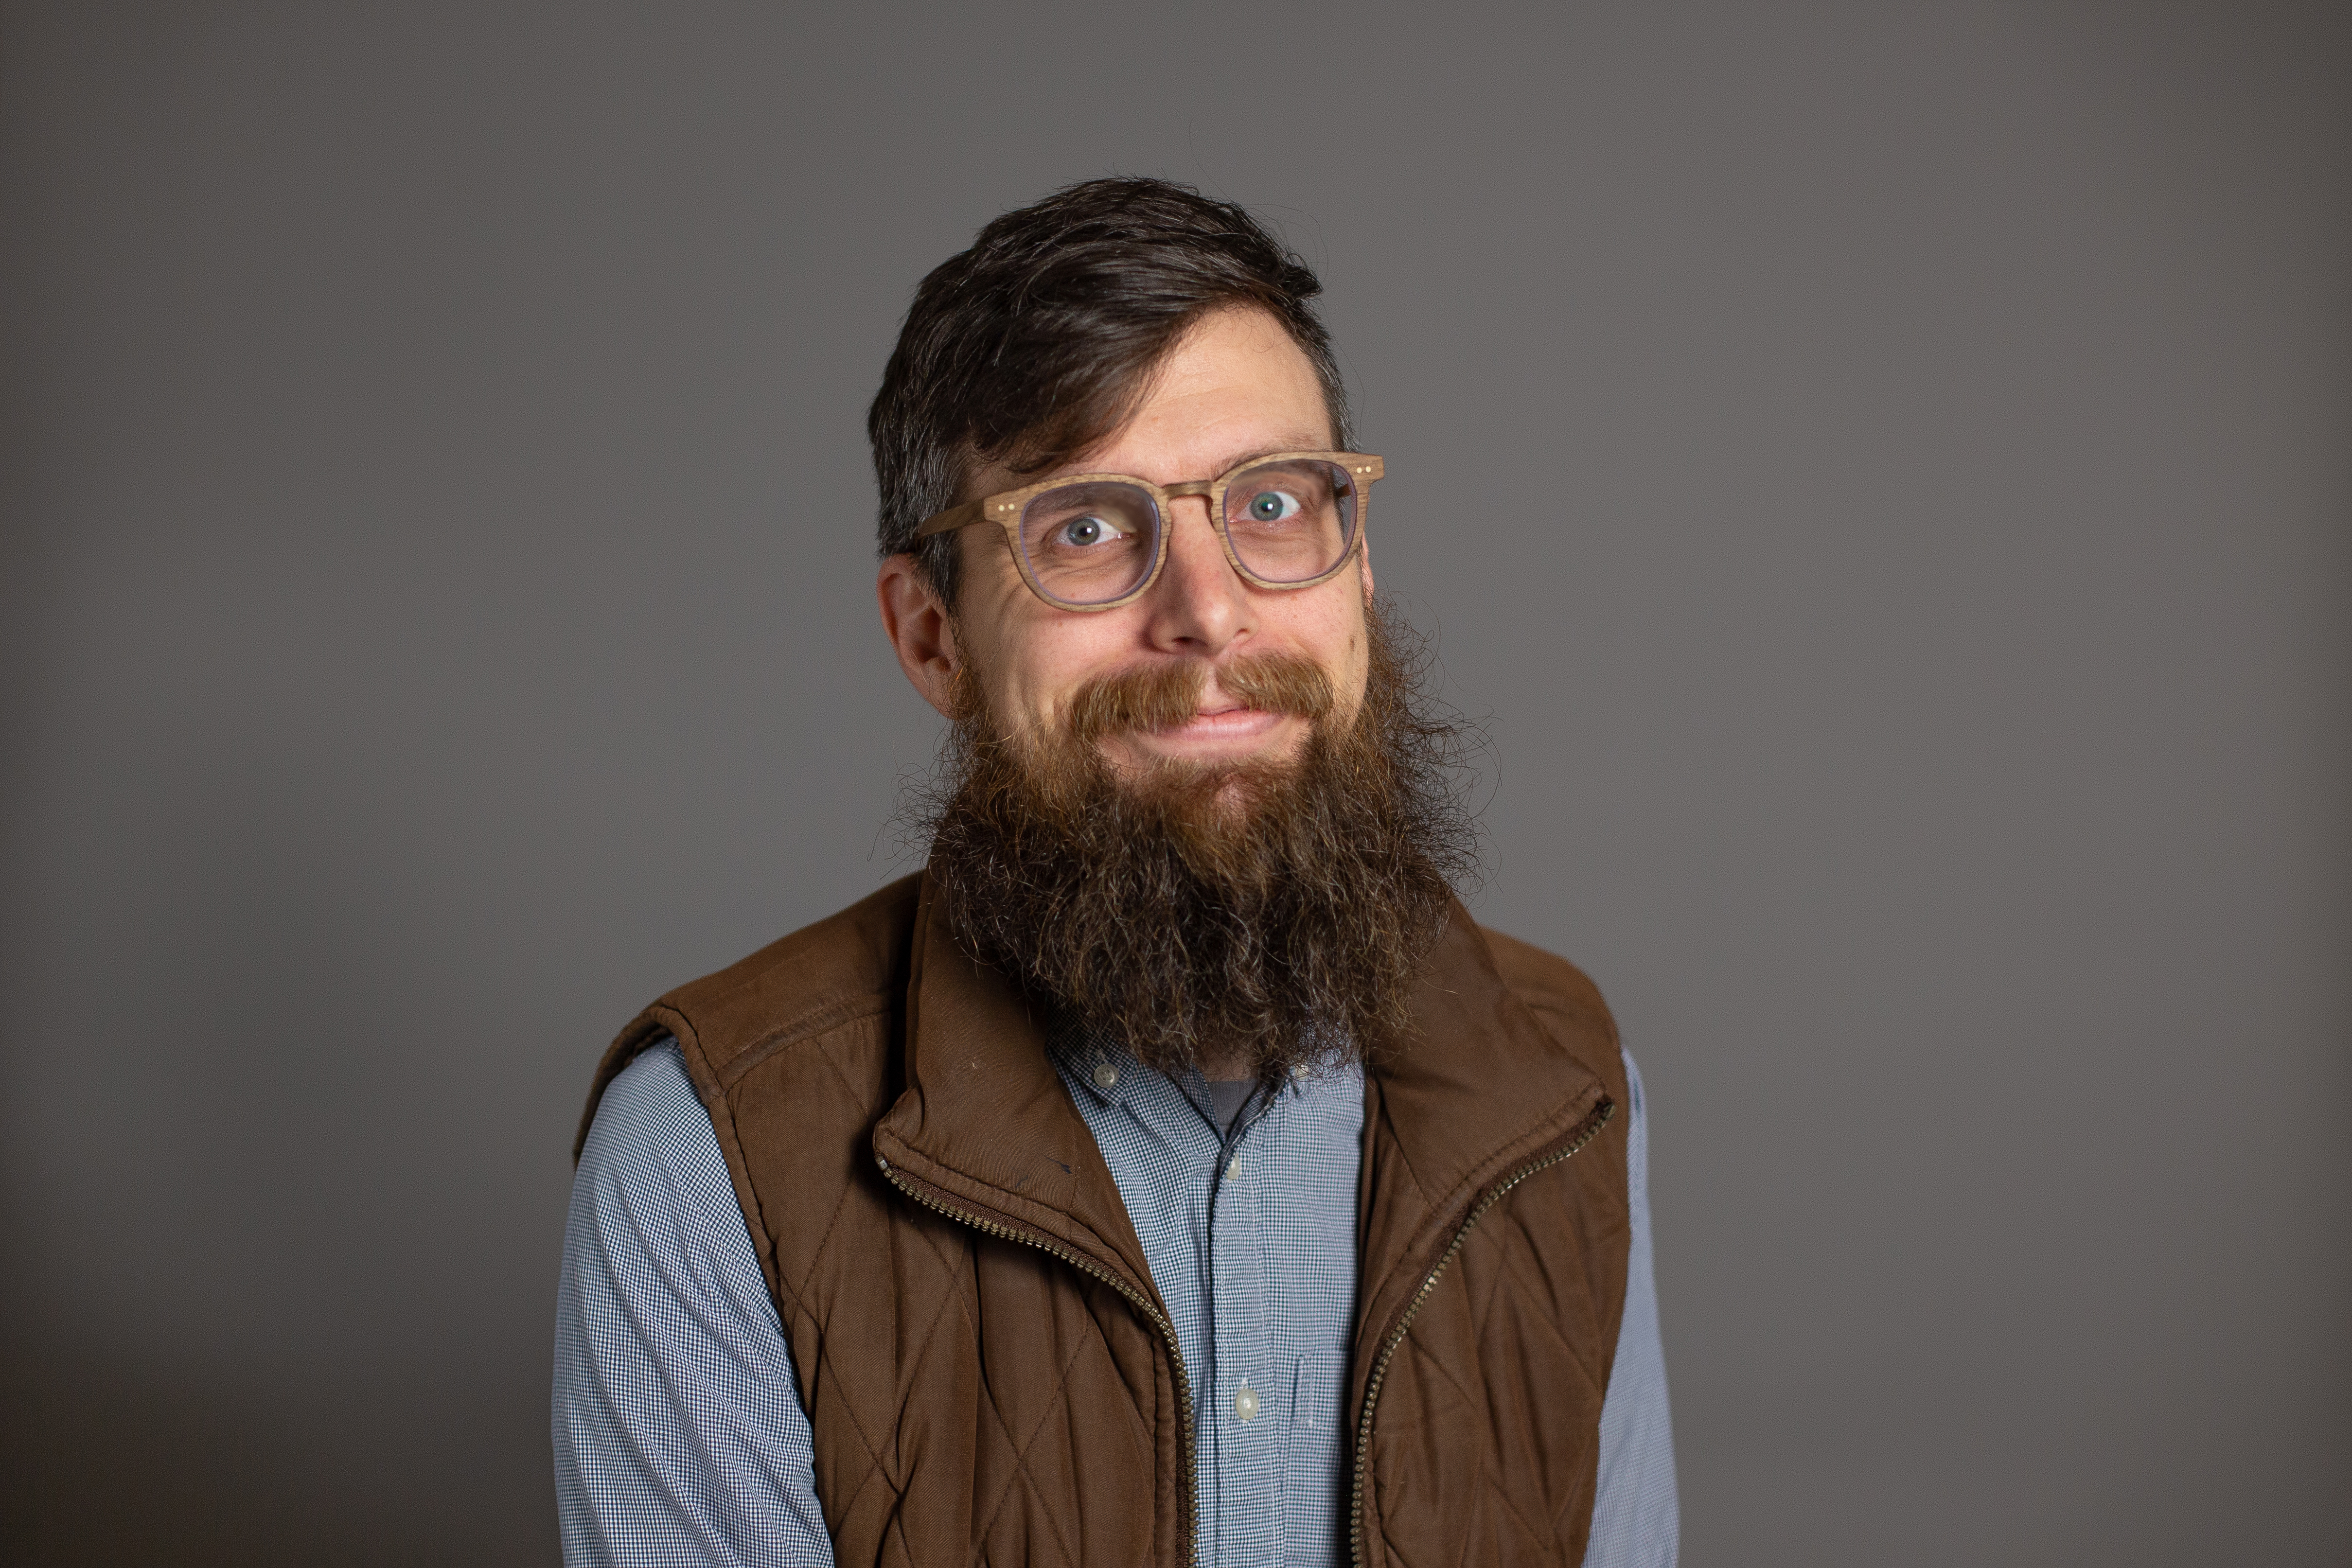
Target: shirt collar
{"type": "Point", "coordinates": [1104, 1069]}
{"type": "Point", "coordinates": [1096, 1062]}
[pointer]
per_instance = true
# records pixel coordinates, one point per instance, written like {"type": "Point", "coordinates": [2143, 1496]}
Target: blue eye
{"type": "Point", "coordinates": [1087, 531]}
{"type": "Point", "coordinates": [1272, 507]}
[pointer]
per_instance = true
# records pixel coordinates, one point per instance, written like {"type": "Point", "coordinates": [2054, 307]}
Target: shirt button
{"type": "Point", "coordinates": [1299, 1071]}
{"type": "Point", "coordinates": [1245, 1401]}
{"type": "Point", "coordinates": [1105, 1075]}
{"type": "Point", "coordinates": [1234, 1168]}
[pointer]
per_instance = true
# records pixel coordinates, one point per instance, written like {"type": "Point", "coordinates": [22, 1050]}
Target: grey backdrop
{"type": "Point", "coordinates": [1883, 469]}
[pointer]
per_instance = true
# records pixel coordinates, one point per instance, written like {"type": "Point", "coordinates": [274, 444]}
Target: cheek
{"type": "Point", "coordinates": [1335, 636]}
{"type": "Point", "coordinates": [1043, 665]}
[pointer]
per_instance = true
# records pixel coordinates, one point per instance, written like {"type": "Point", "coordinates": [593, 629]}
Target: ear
{"type": "Point", "coordinates": [1364, 565]}
{"type": "Point", "coordinates": [916, 622]}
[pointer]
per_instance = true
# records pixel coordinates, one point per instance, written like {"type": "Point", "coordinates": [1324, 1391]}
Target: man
{"type": "Point", "coordinates": [1172, 1172]}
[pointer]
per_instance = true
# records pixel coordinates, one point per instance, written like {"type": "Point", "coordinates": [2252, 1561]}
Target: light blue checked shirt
{"type": "Point", "coordinates": [680, 1436]}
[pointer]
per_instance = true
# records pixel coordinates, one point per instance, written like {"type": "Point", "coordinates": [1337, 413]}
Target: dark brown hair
{"type": "Point", "coordinates": [1039, 340]}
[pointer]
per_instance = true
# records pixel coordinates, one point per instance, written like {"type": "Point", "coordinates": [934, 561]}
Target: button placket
{"type": "Point", "coordinates": [1257, 1266]}
{"type": "Point", "coordinates": [1252, 1407]}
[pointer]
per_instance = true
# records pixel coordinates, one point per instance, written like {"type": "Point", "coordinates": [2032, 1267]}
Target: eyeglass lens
{"type": "Point", "coordinates": [1291, 522]}
{"type": "Point", "coordinates": [1092, 543]}
{"type": "Point", "coordinates": [1088, 544]}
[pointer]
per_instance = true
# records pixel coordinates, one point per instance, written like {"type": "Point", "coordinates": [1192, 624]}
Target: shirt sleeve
{"type": "Point", "coordinates": [1636, 1513]}
{"type": "Point", "coordinates": [680, 1436]}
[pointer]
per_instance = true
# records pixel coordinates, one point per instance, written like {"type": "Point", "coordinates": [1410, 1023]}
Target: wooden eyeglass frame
{"type": "Point", "coordinates": [1005, 506]}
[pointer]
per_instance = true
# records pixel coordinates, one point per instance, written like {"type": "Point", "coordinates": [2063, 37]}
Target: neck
{"type": "Point", "coordinates": [1225, 1066]}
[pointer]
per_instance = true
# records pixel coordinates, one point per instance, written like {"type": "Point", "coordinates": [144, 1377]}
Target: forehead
{"type": "Point", "coordinates": [1234, 387]}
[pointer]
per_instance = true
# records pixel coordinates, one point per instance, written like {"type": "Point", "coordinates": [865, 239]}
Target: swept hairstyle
{"type": "Point", "coordinates": [1039, 340]}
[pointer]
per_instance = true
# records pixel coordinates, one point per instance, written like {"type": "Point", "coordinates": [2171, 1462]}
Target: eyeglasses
{"type": "Point", "coordinates": [1095, 541]}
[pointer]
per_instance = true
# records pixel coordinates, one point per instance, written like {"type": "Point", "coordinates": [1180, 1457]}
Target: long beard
{"type": "Point", "coordinates": [1273, 913]}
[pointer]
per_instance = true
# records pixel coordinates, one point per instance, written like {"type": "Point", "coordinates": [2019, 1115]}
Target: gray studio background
{"type": "Point", "coordinates": [1883, 469]}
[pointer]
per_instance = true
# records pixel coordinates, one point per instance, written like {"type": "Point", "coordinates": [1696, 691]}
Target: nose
{"type": "Point", "coordinates": [1200, 606]}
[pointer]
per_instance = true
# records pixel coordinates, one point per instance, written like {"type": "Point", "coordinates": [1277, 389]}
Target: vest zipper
{"type": "Point", "coordinates": [1005, 1228]}
{"type": "Point", "coordinates": [1583, 1136]}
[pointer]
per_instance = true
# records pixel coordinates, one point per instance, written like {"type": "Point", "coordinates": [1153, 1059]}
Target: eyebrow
{"type": "Point", "coordinates": [1301, 444]}
{"type": "Point", "coordinates": [1225, 465]}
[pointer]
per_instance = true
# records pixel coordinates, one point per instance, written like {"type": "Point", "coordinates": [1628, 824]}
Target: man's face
{"type": "Point", "coordinates": [1233, 388]}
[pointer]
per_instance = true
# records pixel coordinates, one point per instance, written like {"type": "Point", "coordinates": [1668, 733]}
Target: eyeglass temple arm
{"type": "Point", "coordinates": [947, 522]}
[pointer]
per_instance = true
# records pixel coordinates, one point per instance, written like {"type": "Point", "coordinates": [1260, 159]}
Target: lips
{"type": "Point", "coordinates": [1212, 711]}
{"type": "Point", "coordinates": [1235, 723]}
{"type": "Point", "coordinates": [1187, 697]}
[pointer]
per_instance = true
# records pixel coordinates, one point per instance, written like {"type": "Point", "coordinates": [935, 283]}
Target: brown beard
{"type": "Point", "coordinates": [1273, 913]}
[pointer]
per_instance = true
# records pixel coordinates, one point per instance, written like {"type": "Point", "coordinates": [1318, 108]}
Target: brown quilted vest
{"type": "Point", "coordinates": [986, 1364]}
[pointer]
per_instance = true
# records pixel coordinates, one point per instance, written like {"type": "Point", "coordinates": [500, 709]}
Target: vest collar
{"type": "Point", "coordinates": [1476, 1090]}
{"type": "Point", "coordinates": [985, 1119]}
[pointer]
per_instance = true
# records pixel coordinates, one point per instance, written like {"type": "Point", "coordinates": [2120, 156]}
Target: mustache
{"type": "Point", "coordinates": [1163, 695]}
{"type": "Point", "coordinates": [1286, 920]}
